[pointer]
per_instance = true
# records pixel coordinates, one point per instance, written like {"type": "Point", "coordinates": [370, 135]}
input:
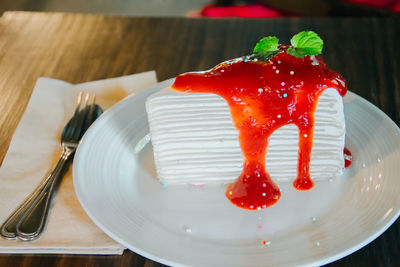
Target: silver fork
{"type": "Point", "coordinates": [28, 220]}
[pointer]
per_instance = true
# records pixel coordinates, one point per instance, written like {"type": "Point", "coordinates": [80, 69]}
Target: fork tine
{"type": "Point", "coordinates": [68, 131]}
{"type": "Point", "coordinates": [80, 118]}
{"type": "Point", "coordinates": [87, 96]}
{"type": "Point", "coordinates": [78, 104]}
{"type": "Point", "coordinates": [90, 115]}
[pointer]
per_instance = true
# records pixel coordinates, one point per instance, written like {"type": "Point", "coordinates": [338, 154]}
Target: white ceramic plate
{"type": "Point", "coordinates": [115, 180]}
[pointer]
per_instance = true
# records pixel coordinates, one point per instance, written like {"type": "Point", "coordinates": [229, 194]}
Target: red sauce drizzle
{"type": "Point", "coordinates": [264, 96]}
{"type": "Point", "coordinates": [348, 157]}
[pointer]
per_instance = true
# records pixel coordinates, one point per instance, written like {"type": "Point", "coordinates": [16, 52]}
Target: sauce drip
{"type": "Point", "coordinates": [264, 96]}
{"type": "Point", "coordinates": [348, 157]}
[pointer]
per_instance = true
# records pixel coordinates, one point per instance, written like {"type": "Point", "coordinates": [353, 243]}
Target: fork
{"type": "Point", "coordinates": [28, 220]}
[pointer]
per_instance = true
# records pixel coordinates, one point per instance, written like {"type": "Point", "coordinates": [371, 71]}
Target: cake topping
{"type": "Point", "coordinates": [291, 79]}
{"type": "Point", "coordinates": [348, 157]}
{"type": "Point", "coordinates": [306, 43]}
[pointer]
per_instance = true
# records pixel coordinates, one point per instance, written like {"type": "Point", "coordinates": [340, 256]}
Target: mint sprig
{"type": "Point", "coordinates": [305, 43]}
{"type": "Point", "coordinates": [266, 47]}
{"type": "Point", "coordinates": [266, 44]}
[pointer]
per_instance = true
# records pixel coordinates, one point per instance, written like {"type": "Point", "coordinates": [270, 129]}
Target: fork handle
{"type": "Point", "coordinates": [28, 220]}
{"type": "Point", "coordinates": [8, 229]}
{"type": "Point", "coordinates": [33, 220]}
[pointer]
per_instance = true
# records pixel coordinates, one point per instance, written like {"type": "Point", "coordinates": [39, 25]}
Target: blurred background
{"type": "Point", "coordinates": [211, 8]}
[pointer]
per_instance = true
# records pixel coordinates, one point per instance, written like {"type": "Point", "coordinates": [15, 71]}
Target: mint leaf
{"type": "Point", "coordinates": [266, 45]}
{"type": "Point", "coordinates": [298, 52]}
{"type": "Point", "coordinates": [305, 43]}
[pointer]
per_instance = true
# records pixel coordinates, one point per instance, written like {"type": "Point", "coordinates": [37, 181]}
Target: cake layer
{"type": "Point", "coordinates": [194, 140]}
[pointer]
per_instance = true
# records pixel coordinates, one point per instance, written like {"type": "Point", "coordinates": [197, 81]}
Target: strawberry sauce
{"type": "Point", "coordinates": [264, 96]}
{"type": "Point", "coordinates": [348, 157]}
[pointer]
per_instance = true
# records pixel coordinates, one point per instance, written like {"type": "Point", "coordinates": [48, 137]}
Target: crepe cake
{"type": "Point", "coordinates": [251, 122]}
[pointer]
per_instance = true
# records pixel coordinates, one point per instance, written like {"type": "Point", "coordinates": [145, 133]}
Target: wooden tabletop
{"type": "Point", "coordinates": [79, 48]}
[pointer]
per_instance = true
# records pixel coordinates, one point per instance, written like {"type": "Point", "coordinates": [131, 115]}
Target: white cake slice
{"type": "Point", "coordinates": [195, 142]}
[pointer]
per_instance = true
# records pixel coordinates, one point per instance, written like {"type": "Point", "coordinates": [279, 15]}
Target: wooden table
{"type": "Point", "coordinates": [79, 48]}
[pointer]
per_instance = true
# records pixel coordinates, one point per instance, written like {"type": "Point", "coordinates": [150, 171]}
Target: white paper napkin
{"type": "Point", "coordinates": [34, 151]}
